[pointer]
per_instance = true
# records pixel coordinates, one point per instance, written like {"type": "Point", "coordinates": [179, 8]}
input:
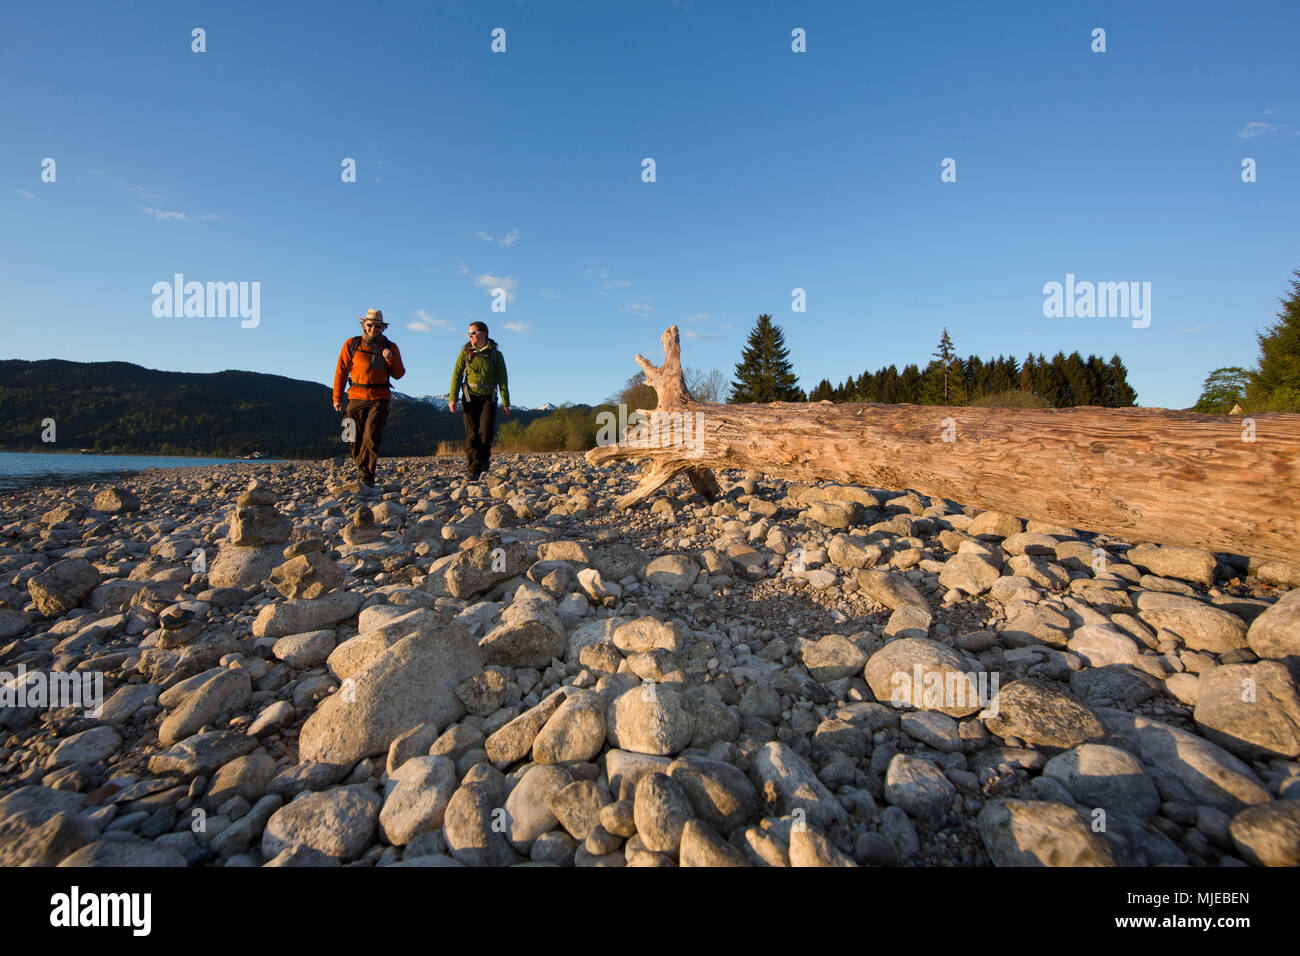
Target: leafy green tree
{"type": "Point", "coordinates": [635, 394]}
{"type": "Point", "coordinates": [764, 373]}
{"type": "Point", "coordinates": [1222, 389]}
{"type": "Point", "coordinates": [1274, 385]}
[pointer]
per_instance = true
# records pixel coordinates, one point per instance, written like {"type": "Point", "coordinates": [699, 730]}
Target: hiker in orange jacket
{"type": "Point", "coordinates": [369, 361]}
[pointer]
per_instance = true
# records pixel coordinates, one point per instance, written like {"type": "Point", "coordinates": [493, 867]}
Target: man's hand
{"type": "Point", "coordinates": [451, 407]}
{"type": "Point", "coordinates": [505, 409]}
{"type": "Point", "coordinates": [388, 355]}
{"type": "Point", "coordinates": [338, 406]}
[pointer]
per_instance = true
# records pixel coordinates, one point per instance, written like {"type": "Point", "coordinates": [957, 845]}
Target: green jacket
{"type": "Point", "coordinates": [484, 371]}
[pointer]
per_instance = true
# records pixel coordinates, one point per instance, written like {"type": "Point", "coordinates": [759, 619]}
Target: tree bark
{"type": "Point", "coordinates": [1141, 474]}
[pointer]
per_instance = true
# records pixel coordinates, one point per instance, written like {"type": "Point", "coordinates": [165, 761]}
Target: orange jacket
{"type": "Point", "coordinates": [368, 377]}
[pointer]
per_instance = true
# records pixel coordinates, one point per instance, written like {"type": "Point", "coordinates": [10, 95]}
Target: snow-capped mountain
{"type": "Point", "coordinates": [443, 401]}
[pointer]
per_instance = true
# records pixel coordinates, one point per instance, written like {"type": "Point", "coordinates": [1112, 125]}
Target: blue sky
{"type": "Point", "coordinates": [775, 170]}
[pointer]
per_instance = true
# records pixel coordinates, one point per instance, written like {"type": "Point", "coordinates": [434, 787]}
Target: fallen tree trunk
{"type": "Point", "coordinates": [1142, 474]}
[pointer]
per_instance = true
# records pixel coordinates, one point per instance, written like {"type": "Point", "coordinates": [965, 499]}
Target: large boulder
{"type": "Point", "coordinates": [1037, 833]}
{"type": "Point", "coordinates": [1169, 561]}
{"type": "Point", "coordinates": [1208, 773]}
{"type": "Point", "coordinates": [223, 695]}
{"type": "Point", "coordinates": [1042, 716]}
{"type": "Point", "coordinates": [788, 783]}
{"type": "Point", "coordinates": [243, 567]}
{"type": "Point", "coordinates": [40, 826]}
{"type": "Point", "coordinates": [921, 673]}
{"type": "Point", "coordinates": [307, 576]}
{"type": "Point", "coordinates": [416, 803]}
{"type": "Point", "coordinates": [1201, 626]}
{"type": "Point", "coordinates": [891, 590]}
{"type": "Point", "coordinates": [340, 822]}
{"type": "Point", "coordinates": [530, 633]}
{"type": "Point", "coordinates": [298, 617]}
{"type": "Point", "coordinates": [63, 586]}
{"type": "Point", "coordinates": [478, 569]}
{"type": "Point", "coordinates": [650, 719]}
{"type": "Point", "coordinates": [116, 501]}
{"type": "Point", "coordinates": [1276, 632]}
{"type": "Point", "coordinates": [1251, 709]}
{"type": "Point", "coordinates": [414, 681]}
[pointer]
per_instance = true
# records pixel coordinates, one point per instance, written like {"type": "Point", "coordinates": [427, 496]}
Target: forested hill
{"type": "Point", "coordinates": [123, 408]}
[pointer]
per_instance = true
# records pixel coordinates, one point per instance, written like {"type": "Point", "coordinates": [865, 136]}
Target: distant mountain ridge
{"type": "Point", "coordinates": [127, 409]}
{"type": "Point", "coordinates": [443, 402]}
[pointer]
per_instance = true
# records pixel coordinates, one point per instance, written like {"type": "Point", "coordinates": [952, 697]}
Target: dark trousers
{"type": "Point", "coordinates": [370, 418]}
{"type": "Point", "coordinates": [480, 421]}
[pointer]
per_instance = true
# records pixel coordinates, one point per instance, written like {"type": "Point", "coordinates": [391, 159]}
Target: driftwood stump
{"type": "Point", "coordinates": [1142, 474]}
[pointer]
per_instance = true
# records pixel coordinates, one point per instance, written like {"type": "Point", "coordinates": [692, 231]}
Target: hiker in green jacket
{"type": "Point", "coordinates": [481, 369]}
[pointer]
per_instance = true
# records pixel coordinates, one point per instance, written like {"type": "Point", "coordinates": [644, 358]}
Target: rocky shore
{"type": "Point", "coordinates": [439, 673]}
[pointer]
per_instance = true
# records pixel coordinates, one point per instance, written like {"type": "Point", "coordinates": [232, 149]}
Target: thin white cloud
{"type": "Point", "coordinates": [164, 214]}
{"type": "Point", "coordinates": [491, 282]}
{"type": "Point", "coordinates": [615, 284]}
{"type": "Point", "coordinates": [1251, 130]}
{"type": "Point", "coordinates": [143, 193]}
{"type": "Point", "coordinates": [727, 326]}
{"type": "Point", "coordinates": [641, 305]}
{"type": "Point", "coordinates": [24, 193]}
{"type": "Point", "coordinates": [426, 322]}
{"type": "Point", "coordinates": [692, 334]}
{"type": "Point", "coordinates": [1191, 328]}
{"type": "Point", "coordinates": [699, 317]}
{"type": "Point", "coordinates": [462, 269]}
{"type": "Point", "coordinates": [551, 294]}
{"type": "Point", "coordinates": [509, 239]}
{"type": "Point", "coordinates": [523, 328]}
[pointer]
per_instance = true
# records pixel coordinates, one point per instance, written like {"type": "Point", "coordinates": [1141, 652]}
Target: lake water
{"type": "Point", "coordinates": [20, 469]}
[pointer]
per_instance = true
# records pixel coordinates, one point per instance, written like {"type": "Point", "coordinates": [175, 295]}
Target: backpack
{"type": "Point", "coordinates": [354, 344]}
{"type": "Point", "coordinates": [466, 353]}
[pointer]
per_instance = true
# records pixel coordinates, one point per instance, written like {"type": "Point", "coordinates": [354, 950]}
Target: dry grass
{"type": "Point", "coordinates": [456, 449]}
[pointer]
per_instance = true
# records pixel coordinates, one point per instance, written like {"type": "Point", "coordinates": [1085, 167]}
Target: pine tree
{"type": "Point", "coordinates": [862, 391]}
{"type": "Point", "coordinates": [1027, 372]}
{"type": "Point", "coordinates": [1076, 380]}
{"type": "Point", "coordinates": [764, 373]}
{"type": "Point", "coordinates": [1123, 394]}
{"type": "Point", "coordinates": [907, 387]}
{"type": "Point", "coordinates": [823, 392]}
{"type": "Point", "coordinates": [1275, 385]}
{"type": "Point", "coordinates": [944, 355]}
{"type": "Point", "coordinates": [1057, 391]}
{"type": "Point", "coordinates": [1100, 380]}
